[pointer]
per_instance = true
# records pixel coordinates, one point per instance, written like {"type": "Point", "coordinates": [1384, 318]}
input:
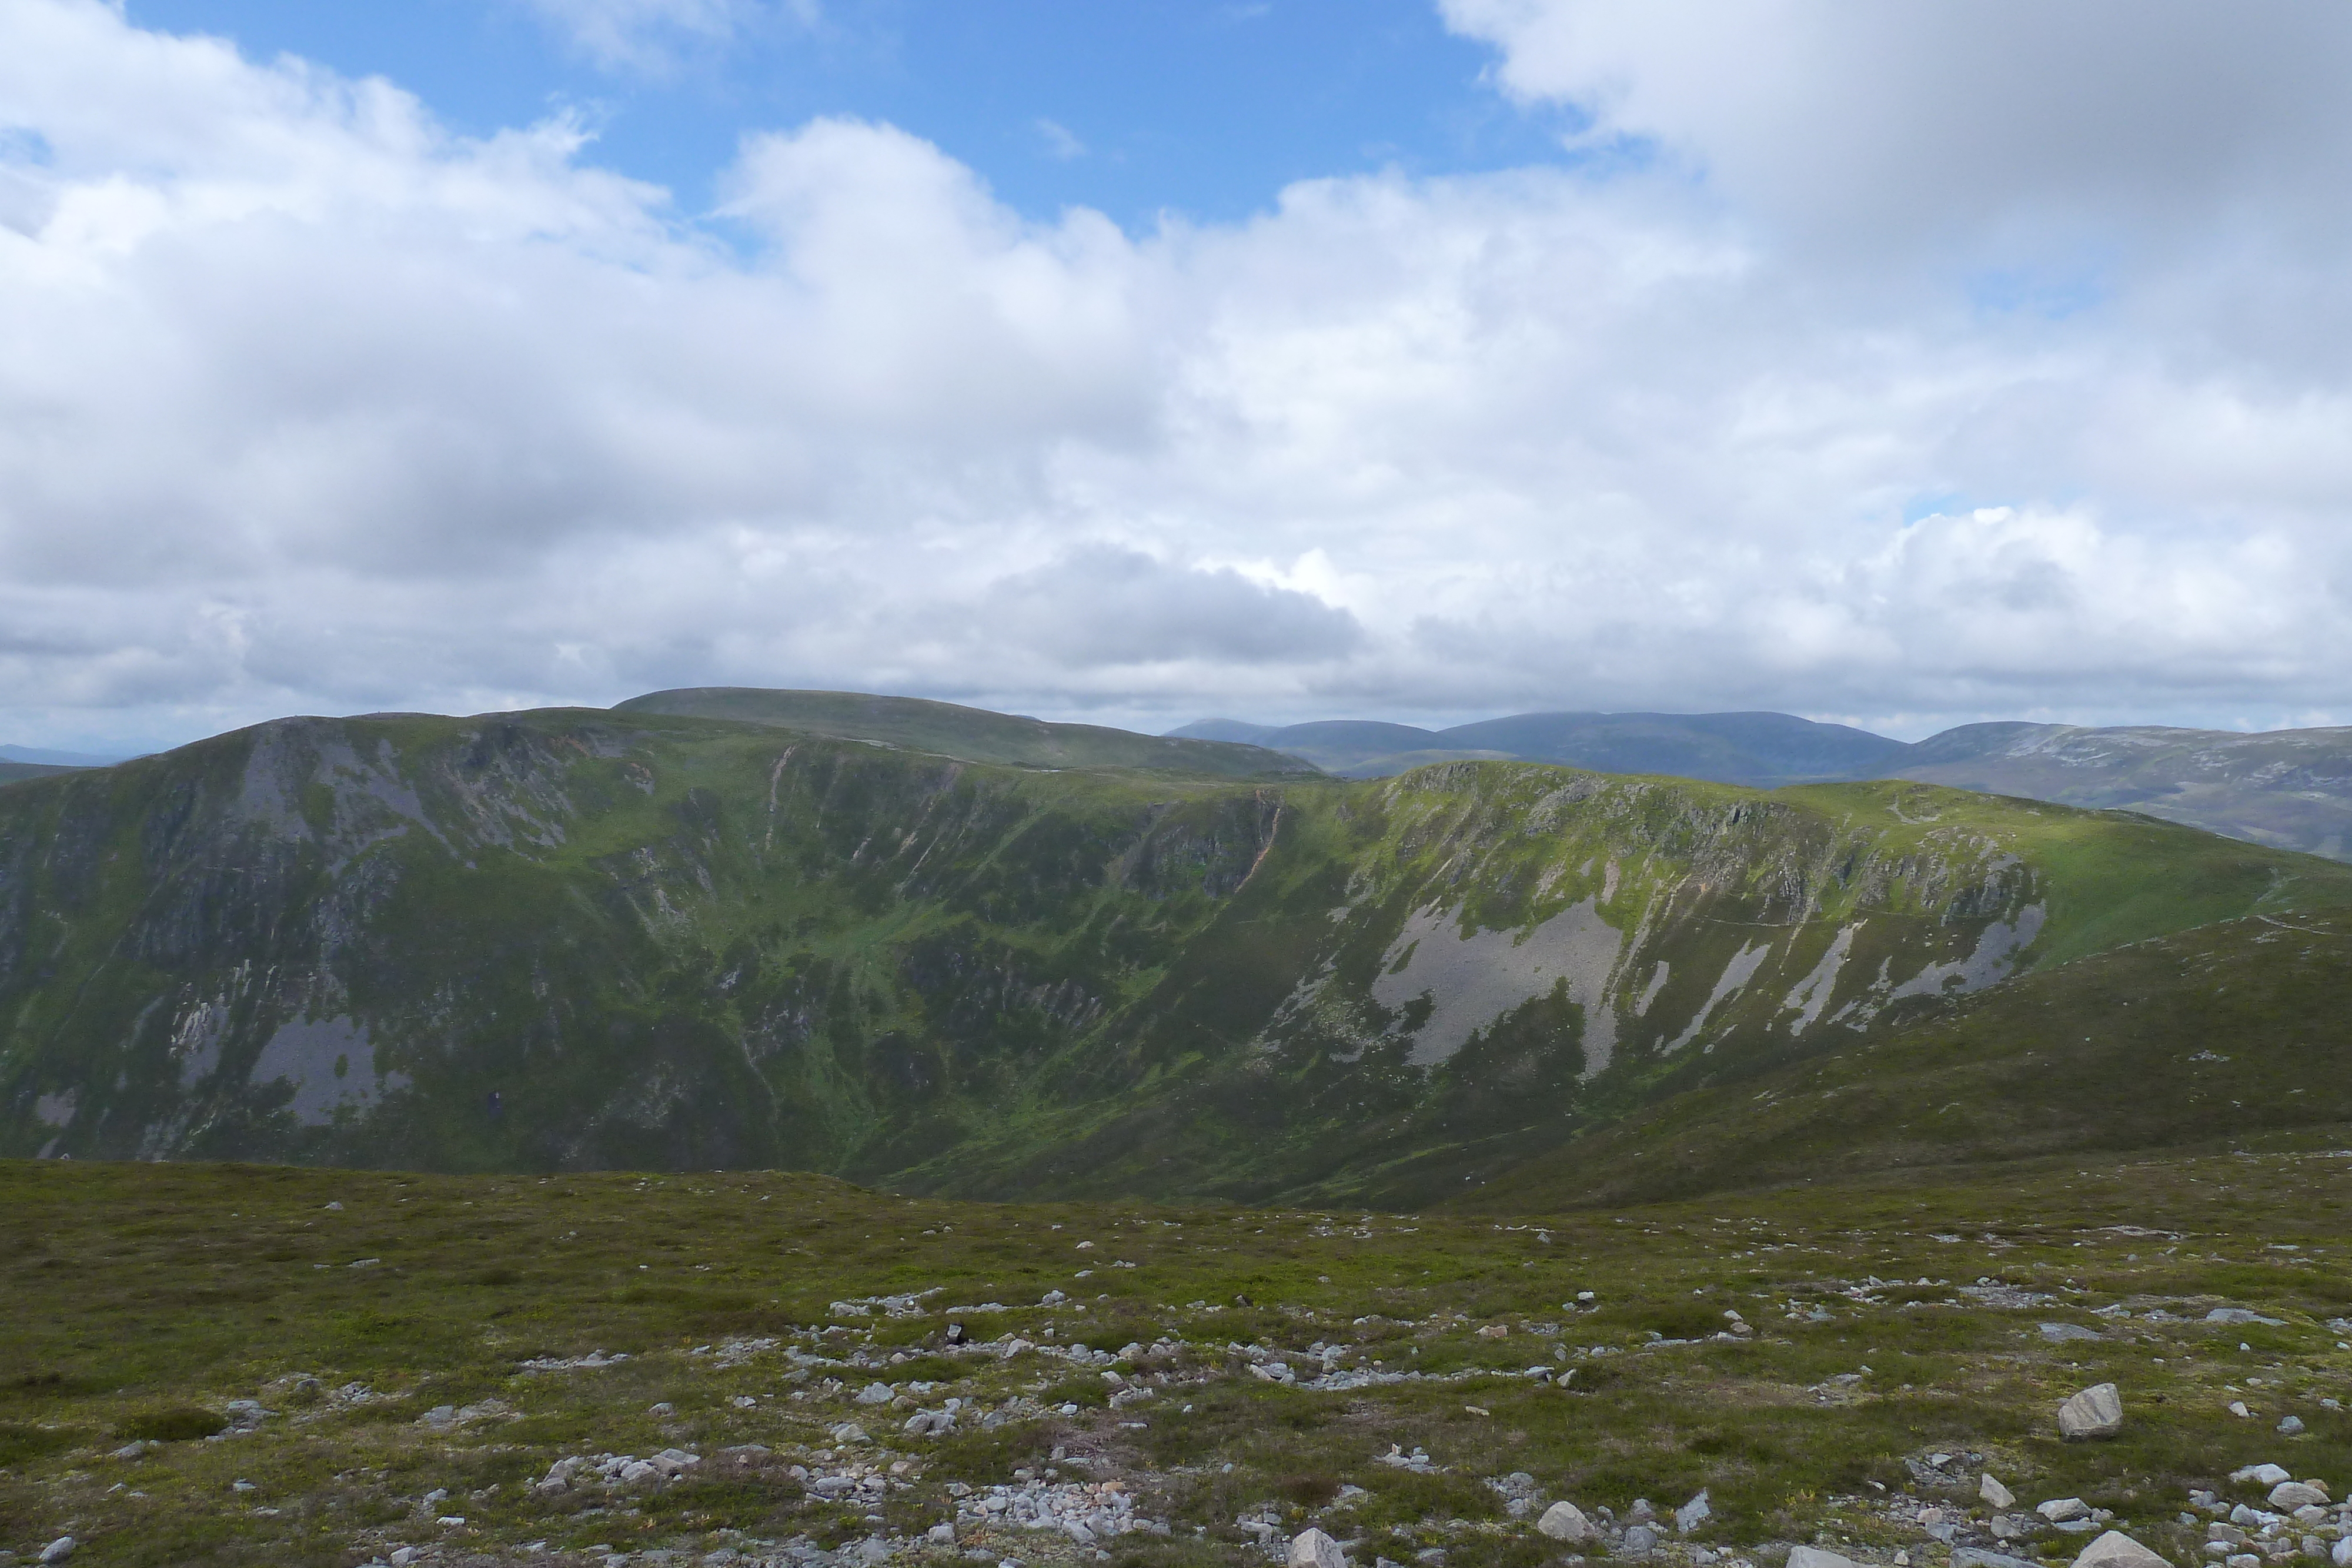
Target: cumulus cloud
{"type": "Point", "coordinates": [311, 404]}
{"type": "Point", "coordinates": [1957, 124]}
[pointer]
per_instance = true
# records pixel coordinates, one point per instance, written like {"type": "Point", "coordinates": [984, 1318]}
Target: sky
{"type": "Point", "coordinates": [1424, 359]}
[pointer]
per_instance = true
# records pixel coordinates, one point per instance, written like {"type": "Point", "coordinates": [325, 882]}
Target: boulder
{"type": "Point", "coordinates": [2342, 1554]}
{"type": "Point", "coordinates": [1313, 1548]}
{"type": "Point", "coordinates": [2290, 1426]}
{"type": "Point", "coordinates": [1639, 1540]}
{"type": "Point", "coordinates": [2117, 1549]}
{"type": "Point", "coordinates": [1978, 1557]}
{"type": "Point", "coordinates": [1694, 1513]}
{"type": "Point", "coordinates": [2288, 1496]}
{"type": "Point", "coordinates": [2095, 1412]}
{"type": "Point", "coordinates": [1565, 1521]}
{"type": "Point", "coordinates": [2265, 1475]}
{"type": "Point", "coordinates": [1815, 1557]}
{"type": "Point", "coordinates": [1997, 1497]}
{"type": "Point", "coordinates": [58, 1550]}
{"type": "Point", "coordinates": [2059, 1509]}
{"type": "Point", "coordinates": [874, 1394]}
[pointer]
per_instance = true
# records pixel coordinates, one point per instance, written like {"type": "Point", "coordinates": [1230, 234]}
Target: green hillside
{"type": "Point", "coordinates": [576, 938]}
{"type": "Point", "coordinates": [2203, 1038]}
{"type": "Point", "coordinates": [975, 734]}
{"type": "Point", "coordinates": [10, 772]}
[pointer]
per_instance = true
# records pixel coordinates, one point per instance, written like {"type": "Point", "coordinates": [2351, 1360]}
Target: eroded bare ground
{"type": "Point", "coordinates": [237, 1365]}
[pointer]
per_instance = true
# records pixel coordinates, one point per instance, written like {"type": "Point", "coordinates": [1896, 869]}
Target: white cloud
{"type": "Point", "coordinates": [2008, 121]}
{"type": "Point", "coordinates": [1061, 143]}
{"type": "Point", "coordinates": [309, 404]}
{"type": "Point", "coordinates": [648, 34]}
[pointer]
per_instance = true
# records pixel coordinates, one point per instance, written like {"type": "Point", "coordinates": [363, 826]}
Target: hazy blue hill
{"type": "Point", "coordinates": [54, 758]}
{"type": "Point", "coordinates": [1758, 748]}
{"type": "Point", "coordinates": [1365, 749]}
{"type": "Point", "coordinates": [1231, 729]}
{"type": "Point", "coordinates": [12, 771]}
{"type": "Point", "coordinates": [973, 734]}
{"type": "Point", "coordinates": [2289, 787]}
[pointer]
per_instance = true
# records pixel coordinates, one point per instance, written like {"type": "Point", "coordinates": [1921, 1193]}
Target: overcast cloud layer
{"type": "Point", "coordinates": [1904, 364]}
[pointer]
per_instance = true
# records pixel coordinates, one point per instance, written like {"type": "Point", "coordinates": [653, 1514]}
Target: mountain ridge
{"type": "Point", "coordinates": [575, 938]}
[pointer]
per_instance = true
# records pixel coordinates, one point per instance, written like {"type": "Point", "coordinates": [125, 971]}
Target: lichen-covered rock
{"type": "Point", "coordinates": [1313, 1548]}
{"type": "Point", "coordinates": [2097, 1412]}
{"type": "Point", "coordinates": [1565, 1521]}
{"type": "Point", "coordinates": [2117, 1549]}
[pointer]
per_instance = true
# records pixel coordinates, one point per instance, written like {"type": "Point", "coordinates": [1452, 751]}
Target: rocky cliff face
{"type": "Point", "coordinates": [574, 940]}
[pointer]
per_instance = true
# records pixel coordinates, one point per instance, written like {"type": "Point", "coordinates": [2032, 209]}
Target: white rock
{"type": "Point", "coordinates": [1814, 1557]}
{"type": "Point", "coordinates": [2289, 1426]}
{"type": "Point", "coordinates": [2342, 1555]}
{"type": "Point", "coordinates": [58, 1550]}
{"type": "Point", "coordinates": [2059, 1509]}
{"type": "Point", "coordinates": [2238, 1409]}
{"type": "Point", "coordinates": [1694, 1513]}
{"type": "Point", "coordinates": [2288, 1496]}
{"type": "Point", "coordinates": [2117, 1549]}
{"type": "Point", "coordinates": [2264, 1475]}
{"type": "Point", "coordinates": [874, 1394]}
{"type": "Point", "coordinates": [1996, 1496]}
{"type": "Point", "coordinates": [1313, 1548]}
{"type": "Point", "coordinates": [1565, 1521]}
{"type": "Point", "coordinates": [2097, 1412]}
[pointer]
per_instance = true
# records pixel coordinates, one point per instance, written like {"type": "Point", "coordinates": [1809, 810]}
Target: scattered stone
{"type": "Point", "coordinates": [1639, 1540]}
{"type": "Point", "coordinates": [2059, 1509]}
{"type": "Point", "coordinates": [1313, 1548]}
{"type": "Point", "coordinates": [1565, 1521]}
{"type": "Point", "coordinates": [2097, 1412]}
{"type": "Point", "coordinates": [1997, 1496]}
{"type": "Point", "coordinates": [876, 1393]}
{"type": "Point", "coordinates": [2060, 1334]}
{"type": "Point", "coordinates": [2290, 1426]}
{"type": "Point", "coordinates": [2263, 1475]}
{"type": "Point", "coordinates": [2238, 1409]}
{"type": "Point", "coordinates": [58, 1550]}
{"type": "Point", "coordinates": [2342, 1556]}
{"type": "Point", "coordinates": [847, 1432]}
{"type": "Point", "coordinates": [2117, 1549]}
{"type": "Point", "coordinates": [1694, 1513]}
{"type": "Point", "coordinates": [2288, 1496]}
{"type": "Point", "coordinates": [2241, 1315]}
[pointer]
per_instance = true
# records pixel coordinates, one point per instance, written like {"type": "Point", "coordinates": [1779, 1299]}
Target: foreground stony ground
{"type": "Point", "coordinates": [230, 1365]}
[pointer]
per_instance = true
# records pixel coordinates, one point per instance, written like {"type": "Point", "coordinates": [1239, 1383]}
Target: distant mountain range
{"type": "Point", "coordinates": [32, 762]}
{"type": "Point", "coordinates": [2291, 789]}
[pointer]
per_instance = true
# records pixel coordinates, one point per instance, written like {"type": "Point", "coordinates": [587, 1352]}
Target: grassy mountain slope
{"type": "Point", "coordinates": [577, 938]}
{"type": "Point", "coordinates": [2204, 1037]}
{"type": "Point", "coordinates": [1436, 977]}
{"type": "Point", "coordinates": [568, 938]}
{"type": "Point", "coordinates": [974, 734]}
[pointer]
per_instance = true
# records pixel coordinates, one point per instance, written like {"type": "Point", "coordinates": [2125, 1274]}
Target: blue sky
{"type": "Point", "coordinates": [1200, 107]}
{"type": "Point", "coordinates": [1424, 359]}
